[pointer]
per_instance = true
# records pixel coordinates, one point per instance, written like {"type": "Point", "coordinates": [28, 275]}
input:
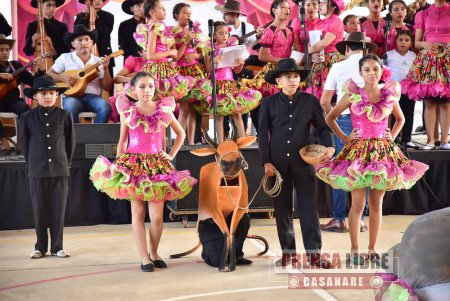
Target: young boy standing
{"type": "Point", "coordinates": [47, 137]}
{"type": "Point", "coordinates": [285, 120]}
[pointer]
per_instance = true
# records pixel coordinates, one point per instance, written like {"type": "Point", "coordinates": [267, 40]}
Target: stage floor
{"type": "Point", "coordinates": [104, 265]}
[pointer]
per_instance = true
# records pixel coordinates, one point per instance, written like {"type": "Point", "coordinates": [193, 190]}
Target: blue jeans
{"type": "Point", "coordinates": [88, 103]}
{"type": "Point", "coordinates": [340, 197]}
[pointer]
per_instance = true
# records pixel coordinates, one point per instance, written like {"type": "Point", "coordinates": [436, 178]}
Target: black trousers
{"type": "Point", "coordinates": [407, 105]}
{"type": "Point", "coordinates": [306, 206]}
{"type": "Point", "coordinates": [49, 199]}
{"type": "Point", "coordinates": [212, 239]}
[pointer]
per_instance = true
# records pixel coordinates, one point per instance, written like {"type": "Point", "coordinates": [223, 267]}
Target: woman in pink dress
{"type": "Point", "coordinates": [372, 25]}
{"type": "Point", "coordinates": [429, 76]}
{"type": "Point", "coordinates": [370, 160]}
{"type": "Point", "coordinates": [332, 32]}
{"type": "Point", "coordinates": [397, 9]}
{"type": "Point", "coordinates": [276, 42]}
{"type": "Point", "coordinates": [187, 42]}
{"type": "Point", "coordinates": [158, 43]}
{"type": "Point", "coordinates": [312, 22]}
{"type": "Point", "coordinates": [142, 172]}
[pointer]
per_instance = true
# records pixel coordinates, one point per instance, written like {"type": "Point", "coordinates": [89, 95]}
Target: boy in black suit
{"type": "Point", "coordinates": [285, 119]}
{"type": "Point", "coordinates": [47, 137]}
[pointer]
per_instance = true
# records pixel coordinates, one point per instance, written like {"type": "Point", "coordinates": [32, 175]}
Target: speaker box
{"type": "Point", "coordinates": [187, 161]}
{"type": "Point", "coordinates": [96, 139]}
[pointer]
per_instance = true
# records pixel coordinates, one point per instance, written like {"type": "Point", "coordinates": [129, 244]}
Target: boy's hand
{"type": "Point", "coordinates": [327, 155]}
{"type": "Point", "coordinates": [6, 76]}
{"type": "Point", "coordinates": [269, 169]}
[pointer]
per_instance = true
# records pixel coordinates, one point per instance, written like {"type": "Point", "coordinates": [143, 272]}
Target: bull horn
{"type": "Point", "coordinates": [235, 135]}
{"type": "Point", "coordinates": [208, 139]}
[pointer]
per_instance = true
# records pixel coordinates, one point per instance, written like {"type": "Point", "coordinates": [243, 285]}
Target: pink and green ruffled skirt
{"type": "Point", "coordinates": [142, 177]}
{"type": "Point", "coordinates": [202, 88]}
{"type": "Point", "coordinates": [376, 163]}
{"type": "Point", "coordinates": [232, 97]}
{"type": "Point", "coordinates": [169, 82]}
{"type": "Point", "coordinates": [319, 72]}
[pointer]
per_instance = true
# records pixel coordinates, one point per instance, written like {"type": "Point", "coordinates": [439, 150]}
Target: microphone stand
{"type": "Point", "coordinates": [386, 33]}
{"type": "Point", "coordinates": [305, 44]}
{"type": "Point", "coordinates": [213, 76]}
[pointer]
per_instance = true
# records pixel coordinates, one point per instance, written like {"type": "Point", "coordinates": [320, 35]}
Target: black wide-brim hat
{"type": "Point", "coordinates": [4, 40]}
{"type": "Point", "coordinates": [80, 30]}
{"type": "Point", "coordinates": [230, 6]}
{"type": "Point", "coordinates": [43, 83]}
{"type": "Point", "coordinates": [34, 3]}
{"type": "Point", "coordinates": [127, 4]}
{"type": "Point", "coordinates": [285, 66]}
{"type": "Point", "coordinates": [355, 38]}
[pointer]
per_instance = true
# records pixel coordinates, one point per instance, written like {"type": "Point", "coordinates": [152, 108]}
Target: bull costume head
{"type": "Point", "coordinates": [223, 190]}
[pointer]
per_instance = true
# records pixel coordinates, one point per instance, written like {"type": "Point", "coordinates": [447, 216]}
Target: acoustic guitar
{"type": "Point", "coordinates": [83, 77]}
{"type": "Point", "coordinates": [6, 87]}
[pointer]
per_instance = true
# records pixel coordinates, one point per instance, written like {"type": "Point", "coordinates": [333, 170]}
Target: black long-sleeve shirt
{"type": "Point", "coordinates": [284, 128]}
{"type": "Point", "coordinates": [55, 31]}
{"type": "Point", "coordinates": [126, 40]}
{"type": "Point", "coordinates": [47, 138]}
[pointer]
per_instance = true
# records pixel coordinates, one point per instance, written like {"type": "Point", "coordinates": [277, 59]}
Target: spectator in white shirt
{"type": "Point", "coordinates": [353, 48]}
{"type": "Point", "coordinates": [400, 61]}
{"type": "Point", "coordinates": [91, 101]}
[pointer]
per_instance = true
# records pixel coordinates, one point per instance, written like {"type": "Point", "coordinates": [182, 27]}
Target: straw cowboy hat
{"type": "Point", "coordinates": [127, 4]}
{"type": "Point", "coordinates": [34, 3]}
{"type": "Point", "coordinates": [43, 83]}
{"type": "Point", "coordinates": [355, 38]}
{"type": "Point", "coordinates": [80, 30]}
{"type": "Point", "coordinates": [4, 40]}
{"type": "Point", "coordinates": [230, 6]}
{"type": "Point", "coordinates": [284, 66]}
{"type": "Point", "coordinates": [311, 154]}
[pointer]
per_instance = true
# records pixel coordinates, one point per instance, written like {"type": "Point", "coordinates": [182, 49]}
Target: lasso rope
{"type": "Point", "coordinates": [272, 192]}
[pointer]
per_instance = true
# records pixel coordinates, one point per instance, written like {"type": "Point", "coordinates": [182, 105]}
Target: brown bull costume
{"type": "Point", "coordinates": [223, 202]}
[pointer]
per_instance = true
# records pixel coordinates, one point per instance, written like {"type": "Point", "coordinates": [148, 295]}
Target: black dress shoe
{"type": "Point", "coordinates": [159, 263]}
{"type": "Point", "coordinates": [243, 261]}
{"type": "Point", "coordinates": [147, 267]}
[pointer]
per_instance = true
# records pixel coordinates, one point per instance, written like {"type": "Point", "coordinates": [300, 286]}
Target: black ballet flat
{"type": "Point", "coordinates": [159, 263]}
{"type": "Point", "coordinates": [243, 261]}
{"type": "Point", "coordinates": [149, 267]}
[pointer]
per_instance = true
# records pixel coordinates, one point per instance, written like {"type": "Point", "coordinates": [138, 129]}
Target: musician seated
{"type": "Point", "coordinates": [10, 101]}
{"type": "Point", "coordinates": [91, 101]}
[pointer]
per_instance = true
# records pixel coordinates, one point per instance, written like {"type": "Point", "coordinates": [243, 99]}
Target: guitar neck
{"type": "Point", "coordinates": [96, 65]}
{"type": "Point", "coordinates": [22, 69]}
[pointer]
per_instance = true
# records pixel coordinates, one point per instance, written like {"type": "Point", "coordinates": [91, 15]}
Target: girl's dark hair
{"type": "Point", "coordinates": [177, 9]}
{"type": "Point", "coordinates": [369, 57]}
{"type": "Point", "coordinates": [218, 24]}
{"type": "Point", "coordinates": [405, 32]}
{"type": "Point", "coordinates": [148, 6]}
{"type": "Point", "coordinates": [140, 75]}
{"type": "Point", "coordinates": [391, 5]}
{"type": "Point", "coordinates": [347, 18]}
{"type": "Point", "coordinates": [275, 5]}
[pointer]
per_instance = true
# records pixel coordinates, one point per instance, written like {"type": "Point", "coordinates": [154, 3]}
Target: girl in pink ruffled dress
{"type": "Point", "coordinates": [233, 98]}
{"type": "Point", "coordinates": [188, 64]}
{"type": "Point", "coordinates": [370, 159]}
{"type": "Point", "coordinates": [143, 172]}
{"type": "Point", "coordinates": [332, 29]}
{"type": "Point", "coordinates": [158, 43]}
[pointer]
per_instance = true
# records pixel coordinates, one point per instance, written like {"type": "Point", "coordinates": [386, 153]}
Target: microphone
{"type": "Point", "coordinates": [210, 27]}
{"type": "Point", "coordinates": [302, 15]}
{"type": "Point", "coordinates": [191, 29]}
{"type": "Point", "coordinates": [388, 22]}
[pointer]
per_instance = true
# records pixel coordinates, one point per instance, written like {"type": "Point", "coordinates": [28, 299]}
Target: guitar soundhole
{"type": "Point", "coordinates": [82, 74]}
